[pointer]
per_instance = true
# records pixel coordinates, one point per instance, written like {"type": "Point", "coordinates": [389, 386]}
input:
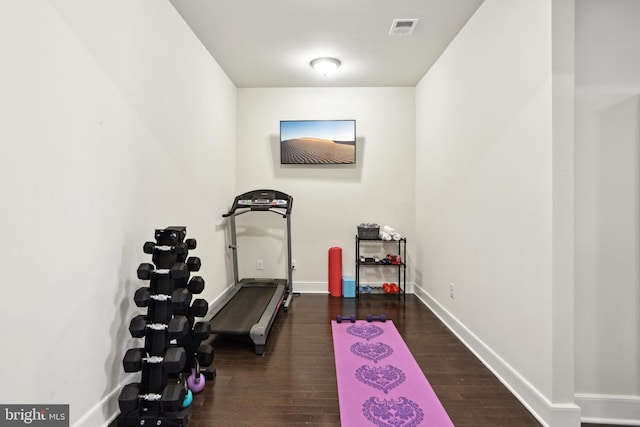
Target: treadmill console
{"type": "Point", "coordinates": [262, 200]}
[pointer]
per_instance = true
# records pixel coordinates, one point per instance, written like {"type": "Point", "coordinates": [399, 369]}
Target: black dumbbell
{"type": "Point", "coordinates": [144, 271]}
{"type": "Point", "coordinates": [193, 263]}
{"type": "Point", "coordinates": [177, 327]}
{"type": "Point", "coordinates": [205, 354]}
{"type": "Point", "coordinates": [173, 360]}
{"type": "Point", "coordinates": [142, 296]}
{"type": "Point", "coordinates": [196, 285]}
{"type": "Point", "coordinates": [148, 247]}
{"type": "Point", "coordinates": [128, 398]}
{"type": "Point", "coordinates": [199, 307]}
{"type": "Point", "coordinates": [181, 248]}
{"type": "Point", "coordinates": [191, 243]}
{"type": "Point", "coordinates": [138, 326]}
{"type": "Point", "coordinates": [181, 298]}
{"type": "Point", "coordinates": [380, 318]}
{"type": "Point", "coordinates": [340, 318]}
{"type": "Point", "coordinates": [172, 397]}
{"type": "Point", "coordinates": [180, 270]}
{"type": "Point", "coordinates": [132, 361]}
{"type": "Point", "coordinates": [170, 400]}
{"type": "Point", "coordinates": [201, 330]}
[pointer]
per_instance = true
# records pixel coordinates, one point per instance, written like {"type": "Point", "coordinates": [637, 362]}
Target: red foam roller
{"type": "Point", "coordinates": [335, 271]}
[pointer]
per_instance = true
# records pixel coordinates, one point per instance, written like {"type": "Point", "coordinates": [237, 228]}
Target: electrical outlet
{"type": "Point", "coordinates": [294, 264]}
{"type": "Point", "coordinates": [451, 288]}
{"type": "Point", "coordinates": [259, 264]}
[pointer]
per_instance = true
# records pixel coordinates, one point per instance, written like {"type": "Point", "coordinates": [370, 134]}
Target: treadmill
{"type": "Point", "coordinates": [251, 305]}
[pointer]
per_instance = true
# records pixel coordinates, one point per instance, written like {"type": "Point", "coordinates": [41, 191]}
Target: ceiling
{"type": "Point", "coordinates": [270, 43]}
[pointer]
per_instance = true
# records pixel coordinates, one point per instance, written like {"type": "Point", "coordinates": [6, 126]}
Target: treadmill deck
{"type": "Point", "coordinates": [244, 310]}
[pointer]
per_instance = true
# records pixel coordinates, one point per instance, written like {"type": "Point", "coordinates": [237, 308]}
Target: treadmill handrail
{"type": "Point", "coordinates": [228, 214]}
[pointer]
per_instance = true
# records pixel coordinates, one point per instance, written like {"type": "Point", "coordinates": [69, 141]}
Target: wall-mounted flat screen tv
{"type": "Point", "coordinates": [317, 142]}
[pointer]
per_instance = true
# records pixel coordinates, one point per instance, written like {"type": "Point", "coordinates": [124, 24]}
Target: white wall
{"type": "Point", "coordinates": [329, 201]}
{"type": "Point", "coordinates": [607, 212]}
{"type": "Point", "coordinates": [485, 206]}
{"type": "Point", "coordinates": [115, 121]}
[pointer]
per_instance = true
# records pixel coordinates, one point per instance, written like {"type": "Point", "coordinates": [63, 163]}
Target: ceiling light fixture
{"type": "Point", "coordinates": [325, 66]}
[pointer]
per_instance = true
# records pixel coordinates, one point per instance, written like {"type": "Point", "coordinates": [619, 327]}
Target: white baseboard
{"type": "Point", "coordinates": [549, 415]}
{"type": "Point", "coordinates": [106, 410]}
{"type": "Point", "coordinates": [609, 409]}
{"type": "Point", "coordinates": [311, 287]}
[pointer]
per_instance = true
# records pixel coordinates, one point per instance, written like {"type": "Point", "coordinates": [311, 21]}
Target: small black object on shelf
{"type": "Point", "coordinates": [369, 231]}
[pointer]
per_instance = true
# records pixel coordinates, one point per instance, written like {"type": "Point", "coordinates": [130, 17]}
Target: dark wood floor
{"type": "Point", "coordinates": [294, 382]}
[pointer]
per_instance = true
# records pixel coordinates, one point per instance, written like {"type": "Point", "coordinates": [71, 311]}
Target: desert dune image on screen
{"type": "Point", "coordinates": [318, 142]}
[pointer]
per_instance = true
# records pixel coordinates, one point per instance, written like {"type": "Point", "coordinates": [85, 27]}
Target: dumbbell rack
{"type": "Point", "coordinates": [159, 398]}
{"type": "Point", "coordinates": [199, 355]}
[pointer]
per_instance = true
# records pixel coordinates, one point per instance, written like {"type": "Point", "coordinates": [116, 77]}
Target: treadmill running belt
{"type": "Point", "coordinates": [242, 311]}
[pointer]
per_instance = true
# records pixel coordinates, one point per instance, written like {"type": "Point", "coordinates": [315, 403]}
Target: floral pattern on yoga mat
{"type": "Point", "coordinates": [372, 351]}
{"type": "Point", "coordinates": [379, 382]}
{"type": "Point", "coordinates": [400, 412]}
{"type": "Point", "coordinates": [365, 331]}
{"type": "Point", "coordinates": [381, 377]}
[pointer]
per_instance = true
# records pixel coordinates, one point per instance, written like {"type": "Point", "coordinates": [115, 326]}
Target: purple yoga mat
{"type": "Point", "coordinates": [379, 381]}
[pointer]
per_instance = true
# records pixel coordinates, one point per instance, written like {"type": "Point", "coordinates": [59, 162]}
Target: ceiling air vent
{"type": "Point", "coordinates": [402, 27]}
